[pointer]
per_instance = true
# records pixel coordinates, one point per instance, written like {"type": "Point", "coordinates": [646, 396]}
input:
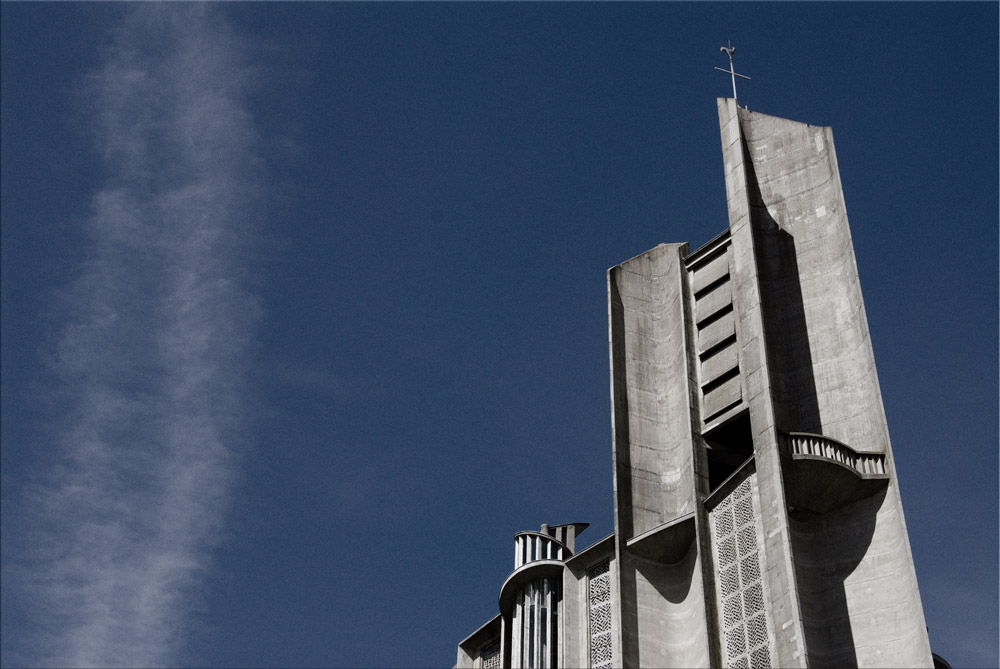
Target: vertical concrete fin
{"type": "Point", "coordinates": [853, 566]}
{"type": "Point", "coordinates": [654, 460]}
{"type": "Point", "coordinates": [650, 404]}
{"type": "Point", "coordinates": [777, 559]}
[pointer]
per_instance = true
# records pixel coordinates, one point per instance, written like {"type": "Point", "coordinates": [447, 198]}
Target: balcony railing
{"type": "Point", "coordinates": [815, 445]}
{"type": "Point", "coordinates": [822, 474]}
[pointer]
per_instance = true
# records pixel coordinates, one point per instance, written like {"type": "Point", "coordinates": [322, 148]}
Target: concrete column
{"type": "Point", "coordinates": [784, 607]}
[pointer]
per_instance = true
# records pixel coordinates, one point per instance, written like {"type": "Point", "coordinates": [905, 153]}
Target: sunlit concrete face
{"type": "Point", "coordinates": [757, 515]}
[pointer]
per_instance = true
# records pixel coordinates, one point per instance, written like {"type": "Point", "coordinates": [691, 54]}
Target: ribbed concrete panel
{"type": "Point", "coordinates": [716, 331]}
{"type": "Point", "coordinates": [719, 298]}
{"type": "Point", "coordinates": [722, 397]}
{"type": "Point", "coordinates": [710, 271]}
{"type": "Point", "coordinates": [723, 362]}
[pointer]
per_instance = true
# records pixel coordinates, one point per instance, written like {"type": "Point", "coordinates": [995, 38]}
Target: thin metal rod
{"type": "Point", "coordinates": [732, 71]}
{"type": "Point", "coordinates": [721, 69]}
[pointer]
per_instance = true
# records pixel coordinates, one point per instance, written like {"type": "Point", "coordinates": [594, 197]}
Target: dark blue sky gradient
{"type": "Point", "coordinates": [444, 187]}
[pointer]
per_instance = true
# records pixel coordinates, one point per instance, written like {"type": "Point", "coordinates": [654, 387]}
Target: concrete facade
{"type": "Point", "coordinates": [757, 515]}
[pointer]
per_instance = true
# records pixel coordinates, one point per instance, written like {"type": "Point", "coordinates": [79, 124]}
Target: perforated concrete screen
{"type": "Point", "coordinates": [736, 547]}
{"type": "Point", "coordinates": [599, 586]}
{"type": "Point", "coordinates": [492, 659]}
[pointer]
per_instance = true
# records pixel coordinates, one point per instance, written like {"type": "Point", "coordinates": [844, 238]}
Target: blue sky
{"type": "Point", "coordinates": [304, 305]}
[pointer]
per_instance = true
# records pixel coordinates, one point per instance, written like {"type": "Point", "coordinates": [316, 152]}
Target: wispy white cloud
{"type": "Point", "coordinates": [152, 353]}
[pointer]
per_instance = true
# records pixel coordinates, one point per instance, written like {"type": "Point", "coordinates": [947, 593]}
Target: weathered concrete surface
{"type": "Point", "coordinates": [853, 570]}
{"type": "Point", "coordinates": [783, 607]}
{"type": "Point", "coordinates": [654, 481]}
{"type": "Point", "coordinates": [668, 627]}
{"type": "Point", "coordinates": [662, 606]}
{"type": "Point", "coordinates": [859, 606]}
{"type": "Point", "coordinates": [823, 365]}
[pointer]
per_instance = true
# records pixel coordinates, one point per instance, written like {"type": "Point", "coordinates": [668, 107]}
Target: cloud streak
{"type": "Point", "coordinates": [155, 339]}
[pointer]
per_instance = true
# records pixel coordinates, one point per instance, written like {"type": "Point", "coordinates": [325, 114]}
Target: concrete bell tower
{"type": "Point", "coordinates": [758, 521]}
{"type": "Point", "coordinates": [757, 516]}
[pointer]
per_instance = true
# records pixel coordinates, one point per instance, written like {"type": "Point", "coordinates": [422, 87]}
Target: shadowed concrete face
{"type": "Point", "coordinates": [666, 625]}
{"type": "Point", "coordinates": [829, 549]}
{"type": "Point", "coordinates": [853, 572]}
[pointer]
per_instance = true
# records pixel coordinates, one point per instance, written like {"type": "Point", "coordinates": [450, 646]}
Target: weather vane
{"type": "Point", "coordinates": [730, 50]}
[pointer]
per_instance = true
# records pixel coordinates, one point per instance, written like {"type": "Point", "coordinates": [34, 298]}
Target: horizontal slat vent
{"type": "Point", "coordinates": [718, 353]}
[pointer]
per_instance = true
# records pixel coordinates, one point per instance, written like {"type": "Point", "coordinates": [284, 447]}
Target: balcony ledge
{"type": "Point", "coordinates": [667, 543]}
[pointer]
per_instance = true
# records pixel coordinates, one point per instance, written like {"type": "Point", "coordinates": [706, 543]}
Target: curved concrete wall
{"type": "Point", "coordinates": [669, 628]}
{"type": "Point", "coordinates": [662, 606]}
{"type": "Point", "coordinates": [860, 604]}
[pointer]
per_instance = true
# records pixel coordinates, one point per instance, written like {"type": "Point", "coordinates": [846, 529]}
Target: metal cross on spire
{"type": "Point", "coordinates": [730, 50]}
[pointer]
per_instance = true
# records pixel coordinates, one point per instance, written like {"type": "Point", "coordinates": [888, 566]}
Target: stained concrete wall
{"type": "Point", "coordinates": [654, 480]}
{"type": "Point", "coordinates": [661, 606]}
{"type": "Point", "coordinates": [857, 590]}
{"type": "Point", "coordinates": [663, 616]}
{"type": "Point", "coordinates": [822, 361]}
{"type": "Point", "coordinates": [779, 573]}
